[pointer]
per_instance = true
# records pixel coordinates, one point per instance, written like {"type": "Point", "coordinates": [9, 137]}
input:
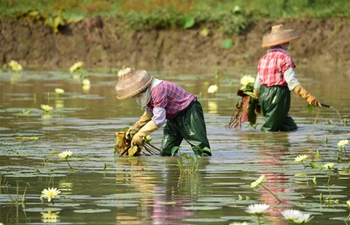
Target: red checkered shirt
{"type": "Point", "coordinates": [272, 66]}
{"type": "Point", "coordinates": [170, 96]}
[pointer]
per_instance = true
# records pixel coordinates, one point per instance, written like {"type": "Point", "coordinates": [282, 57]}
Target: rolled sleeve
{"type": "Point", "coordinates": [257, 83]}
{"type": "Point", "coordinates": [159, 116]}
{"type": "Point", "coordinates": [291, 79]}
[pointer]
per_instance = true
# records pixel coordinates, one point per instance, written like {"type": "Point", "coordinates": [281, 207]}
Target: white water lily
{"type": "Point", "coordinates": [59, 90]}
{"type": "Point", "coordinates": [76, 66]}
{"type": "Point", "coordinates": [328, 166]}
{"type": "Point", "coordinates": [296, 216]}
{"type": "Point", "coordinates": [212, 89]}
{"type": "Point", "coordinates": [86, 82]}
{"type": "Point", "coordinates": [245, 80]}
{"type": "Point", "coordinates": [15, 66]}
{"type": "Point", "coordinates": [301, 158]}
{"type": "Point", "coordinates": [50, 193]}
{"type": "Point", "coordinates": [343, 143]}
{"type": "Point", "coordinates": [258, 182]}
{"type": "Point", "coordinates": [257, 209]}
{"type": "Point", "coordinates": [46, 108]}
{"type": "Point", "coordinates": [65, 154]}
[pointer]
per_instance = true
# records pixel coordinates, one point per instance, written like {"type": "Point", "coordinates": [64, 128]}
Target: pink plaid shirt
{"type": "Point", "coordinates": [272, 66]}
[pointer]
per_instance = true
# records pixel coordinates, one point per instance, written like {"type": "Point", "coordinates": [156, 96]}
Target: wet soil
{"type": "Point", "coordinates": [106, 42]}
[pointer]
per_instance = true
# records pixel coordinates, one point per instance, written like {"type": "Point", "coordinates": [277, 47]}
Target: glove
{"type": "Point", "coordinates": [299, 90]}
{"type": "Point", "coordinates": [143, 132]}
{"type": "Point", "coordinates": [256, 93]}
{"type": "Point", "coordinates": [137, 126]}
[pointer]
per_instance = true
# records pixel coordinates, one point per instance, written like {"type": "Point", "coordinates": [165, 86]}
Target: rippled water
{"type": "Point", "coordinates": [106, 189]}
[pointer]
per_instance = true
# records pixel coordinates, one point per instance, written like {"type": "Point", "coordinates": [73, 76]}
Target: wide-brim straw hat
{"type": "Point", "coordinates": [278, 36]}
{"type": "Point", "coordinates": [132, 83]}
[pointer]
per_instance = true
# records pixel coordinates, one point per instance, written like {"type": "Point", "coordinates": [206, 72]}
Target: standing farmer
{"type": "Point", "coordinates": [161, 101]}
{"type": "Point", "coordinates": [276, 79]}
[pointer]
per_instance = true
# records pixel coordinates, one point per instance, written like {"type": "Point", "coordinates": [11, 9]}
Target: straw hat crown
{"type": "Point", "coordinates": [132, 83]}
{"type": "Point", "coordinates": [278, 36]}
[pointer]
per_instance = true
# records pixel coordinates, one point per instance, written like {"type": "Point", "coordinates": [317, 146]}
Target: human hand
{"type": "Point", "coordinates": [137, 140]}
{"type": "Point", "coordinates": [256, 93]}
{"type": "Point", "coordinates": [131, 132]}
{"type": "Point", "coordinates": [313, 101]}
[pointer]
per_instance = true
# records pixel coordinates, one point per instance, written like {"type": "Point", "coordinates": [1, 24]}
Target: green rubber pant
{"type": "Point", "coordinates": [275, 104]}
{"type": "Point", "coordinates": [190, 126]}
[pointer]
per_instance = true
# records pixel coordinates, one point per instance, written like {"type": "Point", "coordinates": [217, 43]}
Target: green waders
{"type": "Point", "coordinates": [275, 104]}
{"type": "Point", "coordinates": [189, 125]}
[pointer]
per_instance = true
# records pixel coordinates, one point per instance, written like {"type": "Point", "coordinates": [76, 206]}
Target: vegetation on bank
{"type": "Point", "coordinates": [227, 16]}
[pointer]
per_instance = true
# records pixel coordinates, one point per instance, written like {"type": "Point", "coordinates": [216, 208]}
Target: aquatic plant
{"type": "Point", "coordinates": [259, 182]}
{"type": "Point", "coordinates": [342, 144]}
{"type": "Point", "coordinates": [257, 210]}
{"type": "Point", "coordinates": [59, 91]}
{"type": "Point", "coordinates": [65, 155]}
{"type": "Point", "coordinates": [15, 66]}
{"type": "Point", "coordinates": [296, 216]}
{"type": "Point", "coordinates": [16, 200]}
{"type": "Point", "coordinates": [246, 80]}
{"type": "Point", "coordinates": [46, 108]}
{"type": "Point", "coordinates": [348, 205]}
{"type": "Point", "coordinates": [329, 167]}
{"type": "Point", "coordinates": [76, 66]}
{"type": "Point", "coordinates": [301, 159]}
{"type": "Point", "coordinates": [50, 194]}
{"type": "Point", "coordinates": [212, 89]}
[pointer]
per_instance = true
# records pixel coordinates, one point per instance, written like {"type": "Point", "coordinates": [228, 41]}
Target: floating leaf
{"type": "Point", "coordinates": [91, 210]}
{"type": "Point", "coordinates": [27, 138]}
{"type": "Point", "coordinates": [199, 208]}
{"type": "Point", "coordinates": [315, 165]}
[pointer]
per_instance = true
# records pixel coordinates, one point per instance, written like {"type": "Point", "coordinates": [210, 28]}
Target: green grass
{"type": "Point", "coordinates": [163, 14]}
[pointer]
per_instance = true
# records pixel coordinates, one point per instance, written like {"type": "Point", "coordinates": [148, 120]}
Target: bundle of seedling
{"type": "Point", "coordinates": [247, 108]}
{"type": "Point", "coordinates": [124, 146]}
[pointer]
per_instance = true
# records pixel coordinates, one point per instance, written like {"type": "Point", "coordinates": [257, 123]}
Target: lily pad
{"type": "Point", "coordinates": [205, 220]}
{"type": "Point", "coordinates": [42, 209]}
{"type": "Point", "coordinates": [200, 208]}
{"type": "Point", "coordinates": [91, 210]}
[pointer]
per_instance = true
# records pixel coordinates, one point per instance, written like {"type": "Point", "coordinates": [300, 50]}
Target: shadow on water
{"type": "Point", "coordinates": [106, 189]}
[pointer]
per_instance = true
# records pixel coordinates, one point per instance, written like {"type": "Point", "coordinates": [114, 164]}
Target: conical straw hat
{"type": "Point", "coordinates": [132, 83]}
{"type": "Point", "coordinates": [278, 36]}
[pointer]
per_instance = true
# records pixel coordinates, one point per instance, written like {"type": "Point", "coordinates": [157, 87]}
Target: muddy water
{"type": "Point", "coordinates": [105, 189]}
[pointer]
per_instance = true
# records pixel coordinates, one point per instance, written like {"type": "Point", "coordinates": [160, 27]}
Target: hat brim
{"type": "Point", "coordinates": [132, 84]}
{"type": "Point", "coordinates": [278, 38]}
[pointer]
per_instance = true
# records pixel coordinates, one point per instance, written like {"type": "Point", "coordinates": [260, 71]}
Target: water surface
{"type": "Point", "coordinates": [106, 189]}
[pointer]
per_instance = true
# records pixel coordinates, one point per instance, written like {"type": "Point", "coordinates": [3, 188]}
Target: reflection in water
{"type": "Point", "coordinates": [270, 157]}
{"type": "Point", "coordinates": [50, 217]}
{"type": "Point", "coordinates": [212, 107]}
{"type": "Point", "coordinates": [165, 206]}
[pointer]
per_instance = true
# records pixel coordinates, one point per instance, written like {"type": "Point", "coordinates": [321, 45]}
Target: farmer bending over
{"type": "Point", "coordinates": [161, 101]}
{"type": "Point", "coordinates": [276, 78]}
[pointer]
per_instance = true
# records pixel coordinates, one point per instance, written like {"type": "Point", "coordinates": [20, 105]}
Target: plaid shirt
{"type": "Point", "coordinates": [272, 65]}
{"type": "Point", "coordinates": [173, 98]}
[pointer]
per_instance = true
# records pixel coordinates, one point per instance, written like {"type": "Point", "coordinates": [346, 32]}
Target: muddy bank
{"type": "Point", "coordinates": [105, 42]}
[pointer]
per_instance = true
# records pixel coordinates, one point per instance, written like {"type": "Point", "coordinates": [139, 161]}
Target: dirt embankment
{"type": "Point", "coordinates": [106, 43]}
